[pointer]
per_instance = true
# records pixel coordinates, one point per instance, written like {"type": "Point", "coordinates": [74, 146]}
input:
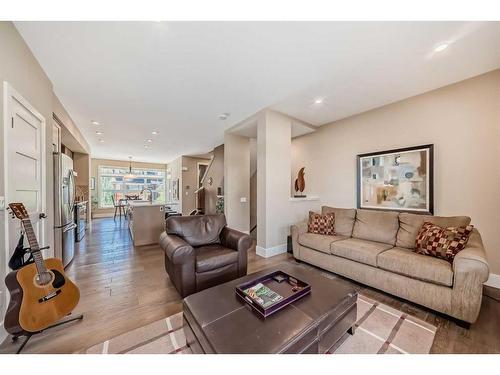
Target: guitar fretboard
{"type": "Point", "coordinates": [35, 248]}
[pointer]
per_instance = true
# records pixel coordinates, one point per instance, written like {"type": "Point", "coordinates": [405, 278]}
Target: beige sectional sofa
{"type": "Point", "coordinates": [375, 248]}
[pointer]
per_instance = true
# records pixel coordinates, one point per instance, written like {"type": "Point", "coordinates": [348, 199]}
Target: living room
{"type": "Point", "coordinates": [255, 187]}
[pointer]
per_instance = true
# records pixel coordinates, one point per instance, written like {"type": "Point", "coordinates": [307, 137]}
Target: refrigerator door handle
{"type": "Point", "coordinates": [70, 227]}
{"type": "Point", "coordinates": [73, 183]}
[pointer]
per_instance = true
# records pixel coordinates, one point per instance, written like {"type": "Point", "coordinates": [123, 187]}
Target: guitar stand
{"type": "Point", "coordinates": [29, 335]}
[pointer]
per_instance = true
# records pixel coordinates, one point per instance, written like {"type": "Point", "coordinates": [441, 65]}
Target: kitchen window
{"type": "Point", "coordinates": [117, 182]}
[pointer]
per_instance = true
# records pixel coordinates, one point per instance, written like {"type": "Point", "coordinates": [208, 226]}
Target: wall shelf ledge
{"type": "Point", "coordinates": [304, 199]}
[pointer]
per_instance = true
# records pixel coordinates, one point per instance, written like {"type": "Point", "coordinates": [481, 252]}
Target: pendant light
{"type": "Point", "coordinates": [129, 175]}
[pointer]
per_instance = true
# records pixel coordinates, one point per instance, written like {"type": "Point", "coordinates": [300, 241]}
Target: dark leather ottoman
{"type": "Point", "coordinates": [216, 321]}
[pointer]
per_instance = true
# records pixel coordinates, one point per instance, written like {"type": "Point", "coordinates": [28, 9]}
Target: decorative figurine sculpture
{"type": "Point", "coordinates": [300, 184]}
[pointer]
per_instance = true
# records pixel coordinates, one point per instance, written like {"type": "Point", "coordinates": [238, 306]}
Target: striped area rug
{"type": "Point", "coordinates": [380, 329]}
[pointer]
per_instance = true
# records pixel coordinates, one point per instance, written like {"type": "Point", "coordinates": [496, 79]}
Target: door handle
{"type": "Point", "coordinates": [42, 216]}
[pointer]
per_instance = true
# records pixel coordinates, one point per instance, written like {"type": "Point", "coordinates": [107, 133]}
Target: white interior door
{"type": "Point", "coordinates": [24, 145]}
{"type": "Point", "coordinates": [25, 164]}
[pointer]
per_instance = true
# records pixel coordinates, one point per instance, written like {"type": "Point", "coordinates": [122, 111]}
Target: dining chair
{"type": "Point", "coordinates": [118, 206]}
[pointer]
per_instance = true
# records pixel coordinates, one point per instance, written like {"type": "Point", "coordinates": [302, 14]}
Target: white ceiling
{"type": "Point", "coordinates": [177, 77]}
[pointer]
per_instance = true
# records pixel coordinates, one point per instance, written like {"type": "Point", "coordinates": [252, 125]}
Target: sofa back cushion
{"type": "Point", "coordinates": [410, 224]}
{"type": "Point", "coordinates": [379, 226]}
{"type": "Point", "coordinates": [344, 219]}
{"type": "Point", "coordinates": [196, 230]}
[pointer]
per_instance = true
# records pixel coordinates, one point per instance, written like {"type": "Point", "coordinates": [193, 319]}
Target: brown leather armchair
{"type": "Point", "coordinates": [201, 252]}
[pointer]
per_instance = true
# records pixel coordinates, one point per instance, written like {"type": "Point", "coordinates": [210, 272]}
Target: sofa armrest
{"type": "Point", "coordinates": [239, 242]}
{"type": "Point", "coordinates": [472, 259]}
{"type": "Point", "coordinates": [176, 249]}
{"type": "Point", "coordinates": [470, 271]}
{"type": "Point", "coordinates": [296, 230]}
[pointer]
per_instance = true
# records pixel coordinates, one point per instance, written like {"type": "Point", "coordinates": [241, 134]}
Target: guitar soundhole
{"type": "Point", "coordinates": [44, 278]}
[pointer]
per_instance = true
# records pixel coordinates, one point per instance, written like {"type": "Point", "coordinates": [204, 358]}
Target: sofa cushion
{"type": "Point", "coordinates": [196, 230]}
{"type": "Point", "coordinates": [440, 242]}
{"type": "Point", "coordinates": [359, 250]}
{"type": "Point", "coordinates": [410, 224]}
{"type": "Point", "coordinates": [211, 257]}
{"type": "Point", "coordinates": [344, 219]}
{"type": "Point", "coordinates": [406, 262]}
{"type": "Point", "coordinates": [318, 242]}
{"type": "Point", "coordinates": [378, 226]}
{"type": "Point", "coordinates": [321, 224]}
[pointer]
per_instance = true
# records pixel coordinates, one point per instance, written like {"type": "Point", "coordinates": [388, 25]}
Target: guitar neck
{"type": "Point", "coordinates": [35, 248]}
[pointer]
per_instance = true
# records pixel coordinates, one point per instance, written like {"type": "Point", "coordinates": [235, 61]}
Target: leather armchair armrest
{"type": "Point", "coordinates": [176, 249]}
{"type": "Point", "coordinates": [239, 242]}
{"type": "Point", "coordinates": [180, 263]}
{"type": "Point", "coordinates": [296, 230]}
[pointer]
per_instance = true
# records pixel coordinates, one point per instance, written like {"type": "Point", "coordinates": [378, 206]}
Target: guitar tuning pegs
{"type": "Point", "coordinates": [12, 215]}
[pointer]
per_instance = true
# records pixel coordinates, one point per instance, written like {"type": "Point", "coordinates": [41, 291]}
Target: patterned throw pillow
{"type": "Point", "coordinates": [441, 242]}
{"type": "Point", "coordinates": [321, 224]}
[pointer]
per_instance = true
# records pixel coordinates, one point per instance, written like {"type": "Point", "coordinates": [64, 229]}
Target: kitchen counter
{"type": "Point", "coordinates": [141, 203]}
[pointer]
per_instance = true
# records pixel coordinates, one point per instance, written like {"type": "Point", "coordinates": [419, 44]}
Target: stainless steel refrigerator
{"type": "Point", "coordinates": [64, 205]}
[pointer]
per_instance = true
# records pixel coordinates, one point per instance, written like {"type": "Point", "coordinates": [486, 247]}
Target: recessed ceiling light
{"type": "Point", "coordinates": [99, 133]}
{"type": "Point", "coordinates": [101, 140]}
{"type": "Point", "coordinates": [223, 116]}
{"type": "Point", "coordinates": [155, 132]}
{"type": "Point", "coordinates": [318, 101]}
{"type": "Point", "coordinates": [93, 122]}
{"type": "Point", "coordinates": [150, 140]}
{"type": "Point", "coordinates": [441, 47]}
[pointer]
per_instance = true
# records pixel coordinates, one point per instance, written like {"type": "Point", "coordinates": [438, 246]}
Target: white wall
{"type": "Point", "coordinates": [275, 211]}
{"type": "Point", "coordinates": [461, 120]}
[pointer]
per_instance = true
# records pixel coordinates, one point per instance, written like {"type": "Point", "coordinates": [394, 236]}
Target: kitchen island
{"type": "Point", "coordinates": [146, 221]}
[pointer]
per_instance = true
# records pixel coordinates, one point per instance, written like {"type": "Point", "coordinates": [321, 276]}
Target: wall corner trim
{"type": "Point", "coordinates": [270, 251]}
{"type": "Point", "coordinates": [493, 281]}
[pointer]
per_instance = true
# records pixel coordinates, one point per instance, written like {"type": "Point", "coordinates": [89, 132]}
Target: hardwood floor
{"type": "Point", "coordinates": [123, 287]}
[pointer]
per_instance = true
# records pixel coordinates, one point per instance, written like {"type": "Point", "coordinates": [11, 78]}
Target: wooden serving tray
{"type": "Point", "coordinates": [291, 289]}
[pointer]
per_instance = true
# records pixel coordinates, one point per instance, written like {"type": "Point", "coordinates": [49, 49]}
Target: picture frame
{"type": "Point", "coordinates": [398, 180]}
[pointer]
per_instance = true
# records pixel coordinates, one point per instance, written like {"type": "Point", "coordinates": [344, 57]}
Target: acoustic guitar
{"type": "Point", "coordinates": [40, 293]}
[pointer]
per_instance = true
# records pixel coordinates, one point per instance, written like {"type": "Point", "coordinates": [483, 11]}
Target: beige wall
{"type": "Point", "coordinates": [216, 172]}
{"type": "Point", "coordinates": [19, 68]}
{"type": "Point", "coordinates": [71, 135]}
{"type": "Point", "coordinates": [189, 182]}
{"type": "Point", "coordinates": [174, 170]}
{"type": "Point", "coordinates": [119, 163]}
{"type": "Point", "coordinates": [461, 120]}
{"type": "Point", "coordinates": [237, 181]}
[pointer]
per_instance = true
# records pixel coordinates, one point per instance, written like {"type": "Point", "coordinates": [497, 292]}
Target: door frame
{"type": "Point", "coordinates": [207, 164]}
{"type": "Point", "coordinates": [10, 93]}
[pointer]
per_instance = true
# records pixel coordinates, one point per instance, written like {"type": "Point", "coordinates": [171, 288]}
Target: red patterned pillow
{"type": "Point", "coordinates": [321, 224]}
{"type": "Point", "coordinates": [441, 242]}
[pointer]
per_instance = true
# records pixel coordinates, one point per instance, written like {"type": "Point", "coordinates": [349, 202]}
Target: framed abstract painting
{"type": "Point", "coordinates": [400, 180]}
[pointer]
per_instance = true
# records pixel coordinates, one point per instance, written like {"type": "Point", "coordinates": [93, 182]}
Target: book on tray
{"type": "Point", "coordinates": [263, 295]}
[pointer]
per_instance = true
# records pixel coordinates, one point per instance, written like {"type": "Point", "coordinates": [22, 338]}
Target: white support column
{"type": "Point", "coordinates": [273, 182]}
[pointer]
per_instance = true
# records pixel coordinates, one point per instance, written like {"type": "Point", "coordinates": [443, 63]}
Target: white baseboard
{"type": "Point", "coordinates": [270, 251]}
{"type": "Point", "coordinates": [493, 281]}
